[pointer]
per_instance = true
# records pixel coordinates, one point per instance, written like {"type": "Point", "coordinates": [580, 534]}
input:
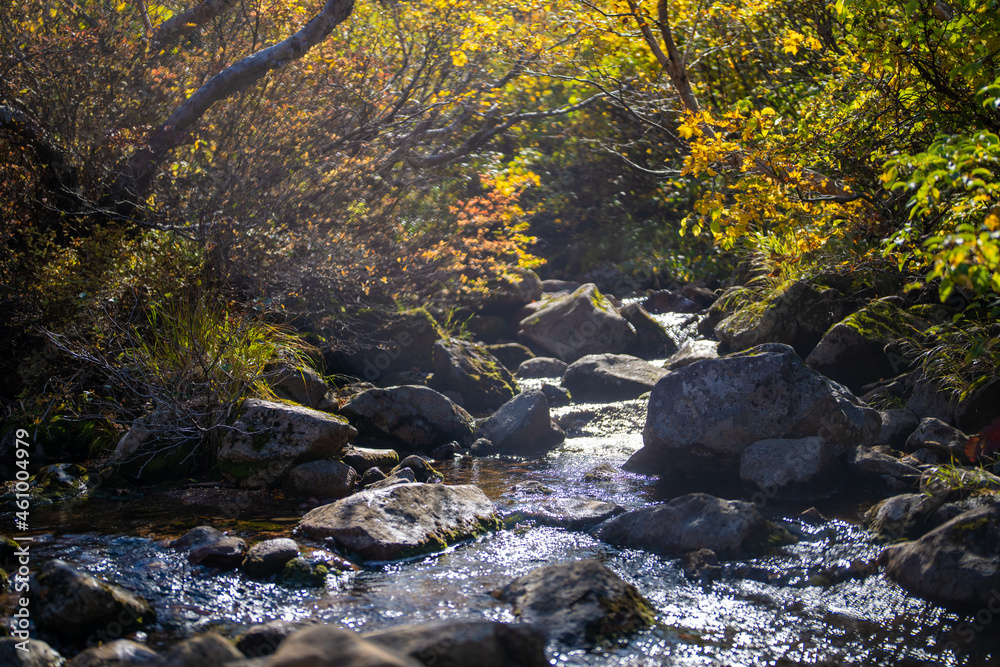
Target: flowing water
{"type": "Point", "coordinates": [785, 609]}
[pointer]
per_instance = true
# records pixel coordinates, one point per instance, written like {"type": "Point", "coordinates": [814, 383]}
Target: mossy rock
{"type": "Point", "coordinates": [470, 370]}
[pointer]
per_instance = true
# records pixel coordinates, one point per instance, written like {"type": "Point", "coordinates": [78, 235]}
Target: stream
{"type": "Point", "coordinates": [789, 608]}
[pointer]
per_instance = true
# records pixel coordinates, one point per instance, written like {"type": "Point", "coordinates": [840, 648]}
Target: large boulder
{"type": "Point", "coordinates": [798, 317]}
{"type": "Point", "coordinates": [522, 426]}
{"type": "Point", "coordinates": [689, 523]}
{"type": "Point", "coordinates": [470, 370]}
{"type": "Point", "coordinates": [581, 604]}
{"type": "Point", "coordinates": [269, 438]}
{"type": "Point", "coordinates": [652, 340]}
{"type": "Point", "coordinates": [610, 377]}
{"type": "Point", "coordinates": [957, 564]}
{"type": "Point", "coordinates": [394, 343]}
{"type": "Point", "coordinates": [860, 349]}
{"type": "Point", "coordinates": [460, 643]}
{"type": "Point", "coordinates": [73, 605]}
{"type": "Point", "coordinates": [320, 479]}
{"type": "Point", "coordinates": [417, 417]}
{"type": "Point", "coordinates": [302, 385]}
{"type": "Point", "coordinates": [578, 324]}
{"type": "Point", "coordinates": [401, 521]}
{"type": "Point", "coordinates": [937, 435]}
{"type": "Point", "coordinates": [701, 417]}
{"type": "Point", "coordinates": [800, 468]}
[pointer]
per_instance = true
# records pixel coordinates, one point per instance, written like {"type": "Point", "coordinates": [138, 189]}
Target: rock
{"type": "Point", "coordinates": [665, 301]}
{"type": "Point", "coordinates": [797, 317]}
{"type": "Point", "coordinates": [511, 355]}
{"type": "Point", "coordinates": [362, 458]}
{"type": "Point", "coordinates": [38, 654]}
{"type": "Point", "coordinates": [701, 417]}
{"type": "Point", "coordinates": [152, 452]}
{"type": "Point", "coordinates": [702, 296]}
{"type": "Point", "coordinates": [206, 650]}
{"type": "Point", "coordinates": [462, 643]}
{"type": "Point", "coordinates": [517, 288]}
{"type": "Point", "coordinates": [264, 639]}
{"type": "Point", "coordinates": [302, 385]}
{"type": "Point", "coordinates": [399, 476]}
{"type": "Point", "coordinates": [581, 604]}
{"type": "Point", "coordinates": [418, 417]}
{"type": "Point", "coordinates": [559, 286]}
{"type": "Point", "coordinates": [578, 324]}
{"type": "Point", "coordinates": [328, 646]}
{"type": "Point", "coordinates": [446, 452]}
{"type": "Point", "coordinates": [269, 438]}
{"type": "Point", "coordinates": [72, 604]}
{"type": "Point", "coordinates": [522, 427]}
{"type": "Point", "coordinates": [652, 340]}
{"type": "Point", "coordinates": [803, 468]}
{"type": "Point", "coordinates": [980, 407]}
{"type": "Point", "coordinates": [58, 482]}
{"type": "Point", "coordinates": [604, 472]}
{"type": "Point", "coordinates": [304, 573]}
{"type": "Point", "coordinates": [532, 487]}
{"type": "Point", "coordinates": [688, 523]}
{"type": "Point", "coordinates": [862, 348]}
{"type": "Point", "coordinates": [571, 513]}
{"type": "Point", "coordinates": [401, 521]}
{"type": "Point", "coordinates": [482, 447]}
{"type": "Point", "coordinates": [226, 553]}
{"type": "Point", "coordinates": [399, 342]}
{"type": "Point", "coordinates": [955, 565]}
{"type": "Point", "coordinates": [320, 479]}
{"type": "Point", "coordinates": [542, 367]}
{"type": "Point", "coordinates": [901, 517]}
{"type": "Point", "coordinates": [897, 425]}
{"type": "Point", "coordinates": [118, 653]}
{"type": "Point", "coordinates": [557, 397]}
{"type": "Point", "coordinates": [701, 565]}
{"type": "Point", "coordinates": [421, 469]}
{"type": "Point", "coordinates": [269, 557]}
{"type": "Point", "coordinates": [610, 377]}
{"type": "Point", "coordinates": [693, 350]}
{"type": "Point", "coordinates": [371, 476]}
{"type": "Point", "coordinates": [927, 400]}
{"type": "Point", "coordinates": [489, 329]}
{"type": "Point", "coordinates": [196, 537]}
{"type": "Point", "coordinates": [473, 372]}
{"type": "Point", "coordinates": [866, 461]}
{"type": "Point", "coordinates": [939, 436]}
{"type": "Point", "coordinates": [948, 511]}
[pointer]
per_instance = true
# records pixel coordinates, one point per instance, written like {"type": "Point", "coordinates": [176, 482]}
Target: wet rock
{"type": "Point", "coordinates": [532, 487]}
{"type": "Point", "coordinates": [605, 472]}
{"type": "Point", "coordinates": [472, 371]}
{"type": "Point", "coordinates": [302, 385]}
{"type": "Point", "coordinates": [897, 425]}
{"type": "Point", "coordinates": [694, 350]}
{"type": "Point", "coordinates": [939, 436]}
{"type": "Point", "coordinates": [118, 653]}
{"type": "Point", "coordinates": [701, 417]}
{"type": "Point", "coordinates": [196, 537]}
{"type": "Point", "coordinates": [652, 340]}
{"type": "Point", "coordinates": [701, 565]}
{"type": "Point", "coordinates": [688, 523]}
{"type": "Point", "coordinates": [320, 479]}
{"type": "Point", "coordinates": [542, 367]}
{"type": "Point", "coordinates": [206, 650]}
{"type": "Point", "coordinates": [610, 377]}
{"type": "Point", "coordinates": [421, 469]}
{"type": "Point", "coordinates": [264, 639]}
{"type": "Point", "coordinates": [226, 553]}
{"type": "Point", "coordinates": [797, 317]}
{"type": "Point", "coordinates": [578, 324]}
{"type": "Point", "coordinates": [446, 452]}
{"type": "Point", "coordinates": [581, 604]}
{"type": "Point", "coordinates": [59, 482]}
{"type": "Point", "coordinates": [511, 355]}
{"type": "Point", "coordinates": [556, 396]}
{"type": "Point", "coordinates": [860, 349]}
{"type": "Point", "coordinates": [302, 572]}
{"type": "Point", "coordinates": [371, 476]}
{"type": "Point", "coordinates": [665, 301]}
{"type": "Point", "coordinates": [702, 296]}
{"type": "Point", "coordinates": [901, 517]}
{"type": "Point", "coordinates": [362, 458]}
{"type": "Point", "coordinates": [571, 513]}
{"type": "Point", "coordinates": [802, 468]}
{"type": "Point", "coordinates": [418, 417]}
{"type": "Point", "coordinates": [956, 564]}
{"type": "Point", "coordinates": [269, 438]}
{"type": "Point", "coordinates": [522, 427]}
{"type": "Point", "coordinates": [328, 646]}
{"type": "Point", "coordinates": [482, 447]}
{"type": "Point", "coordinates": [269, 557]}
{"type": "Point", "coordinates": [401, 521]}
{"type": "Point", "coordinates": [400, 476]}
{"type": "Point", "coordinates": [866, 461]}
{"type": "Point", "coordinates": [72, 604]}
{"type": "Point", "coordinates": [479, 643]}
{"type": "Point", "coordinates": [39, 654]}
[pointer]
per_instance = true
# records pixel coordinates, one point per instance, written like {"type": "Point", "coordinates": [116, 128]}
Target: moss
{"type": "Point", "coordinates": [884, 321]}
{"type": "Point", "coordinates": [768, 539]}
{"type": "Point", "coordinates": [303, 573]}
{"type": "Point", "coordinates": [239, 471]}
{"type": "Point", "coordinates": [622, 616]}
{"type": "Point", "coordinates": [973, 526]}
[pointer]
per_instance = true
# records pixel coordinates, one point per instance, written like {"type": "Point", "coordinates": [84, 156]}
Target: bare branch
{"type": "Point", "coordinates": [181, 24]}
